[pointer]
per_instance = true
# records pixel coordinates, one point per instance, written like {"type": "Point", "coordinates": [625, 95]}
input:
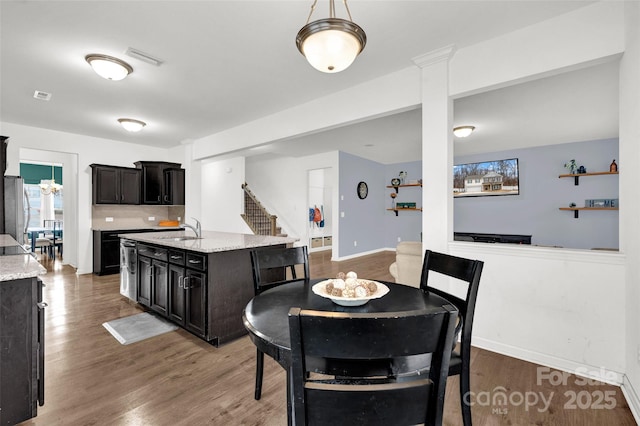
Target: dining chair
{"type": "Point", "coordinates": [361, 338]}
{"type": "Point", "coordinates": [469, 271]}
{"type": "Point", "coordinates": [273, 267]}
{"type": "Point", "coordinates": [55, 226]}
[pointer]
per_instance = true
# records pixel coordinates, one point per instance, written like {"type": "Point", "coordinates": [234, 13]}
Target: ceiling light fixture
{"type": "Point", "coordinates": [131, 125]}
{"type": "Point", "coordinates": [109, 67]}
{"type": "Point", "coordinates": [463, 131]}
{"type": "Point", "coordinates": [331, 44]}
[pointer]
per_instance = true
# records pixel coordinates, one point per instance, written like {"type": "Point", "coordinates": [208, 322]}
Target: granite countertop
{"type": "Point", "coordinates": [211, 241]}
{"type": "Point", "coordinates": [108, 227]}
{"type": "Point", "coordinates": [17, 266]}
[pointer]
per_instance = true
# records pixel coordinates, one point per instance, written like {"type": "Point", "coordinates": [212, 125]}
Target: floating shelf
{"type": "Point", "coordinates": [405, 209]}
{"type": "Point", "coordinates": [575, 210]}
{"type": "Point", "coordinates": [576, 176]}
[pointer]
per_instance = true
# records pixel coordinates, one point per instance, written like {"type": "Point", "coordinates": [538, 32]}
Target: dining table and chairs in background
{"type": "Point", "coordinates": [48, 237]}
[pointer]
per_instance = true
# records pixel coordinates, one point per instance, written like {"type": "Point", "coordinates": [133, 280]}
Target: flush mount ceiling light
{"type": "Point", "coordinates": [108, 67]}
{"type": "Point", "coordinates": [131, 125]}
{"type": "Point", "coordinates": [463, 131]}
{"type": "Point", "coordinates": [331, 44]}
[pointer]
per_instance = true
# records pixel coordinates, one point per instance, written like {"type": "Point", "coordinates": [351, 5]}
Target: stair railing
{"type": "Point", "coordinates": [256, 216]}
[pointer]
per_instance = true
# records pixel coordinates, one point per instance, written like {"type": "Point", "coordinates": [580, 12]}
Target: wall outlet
{"type": "Point", "coordinates": [399, 239]}
{"type": "Point", "coordinates": [341, 214]}
{"type": "Point", "coordinates": [151, 218]}
{"type": "Point", "coordinates": [108, 219]}
{"type": "Point", "coordinates": [355, 244]}
{"type": "Point", "coordinates": [179, 218]}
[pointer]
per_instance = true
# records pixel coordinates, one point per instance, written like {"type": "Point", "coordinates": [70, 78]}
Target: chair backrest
{"type": "Point", "coordinates": [362, 338]}
{"type": "Point", "coordinates": [466, 270]}
{"type": "Point", "coordinates": [270, 266]}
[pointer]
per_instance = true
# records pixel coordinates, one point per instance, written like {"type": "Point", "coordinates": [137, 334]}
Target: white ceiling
{"type": "Point", "coordinates": [230, 62]}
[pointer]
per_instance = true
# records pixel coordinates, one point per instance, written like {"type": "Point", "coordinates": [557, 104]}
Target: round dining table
{"type": "Point", "coordinates": [266, 316]}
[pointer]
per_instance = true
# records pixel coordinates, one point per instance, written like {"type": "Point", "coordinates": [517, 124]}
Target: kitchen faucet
{"type": "Point", "coordinates": [197, 229]}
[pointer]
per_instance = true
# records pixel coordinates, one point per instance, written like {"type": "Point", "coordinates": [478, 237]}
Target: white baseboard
{"type": "Point", "coordinates": [632, 398]}
{"type": "Point", "coordinates": [364, 253]}
{"type": "Point", "coordinates": [584, 370]}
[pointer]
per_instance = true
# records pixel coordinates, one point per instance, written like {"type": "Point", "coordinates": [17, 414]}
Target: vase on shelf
{"type": "Point", "coordinates": [613, 167]}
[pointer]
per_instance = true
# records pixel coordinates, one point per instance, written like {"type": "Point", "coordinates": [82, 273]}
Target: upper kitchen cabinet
{"type": "Point", "coordinates": [162, 182]}
{"type": "Point", "coordinates": [115, 185]}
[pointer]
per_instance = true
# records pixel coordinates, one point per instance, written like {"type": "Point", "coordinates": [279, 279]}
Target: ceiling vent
{"type": "Point", "coordinates": [43, 96]}
{"type": "Point", "coordinates": [135, 53]}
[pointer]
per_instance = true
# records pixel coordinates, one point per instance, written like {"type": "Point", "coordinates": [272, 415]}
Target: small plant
{"type": "Point", "coordinates": [571, 166]}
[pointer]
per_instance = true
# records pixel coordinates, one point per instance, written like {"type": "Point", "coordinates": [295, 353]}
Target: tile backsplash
{"type": "Point", "coordinates": [128, 216]}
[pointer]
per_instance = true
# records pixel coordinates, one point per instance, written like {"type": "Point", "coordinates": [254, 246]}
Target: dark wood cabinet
{"type": "Point", "coordinates": [174, 187]}
{"type": "Point", "coordinates": [21, 350]}
{"type": "Point", "coordinates": [115, 185]}
{"type": "Point", "coordinates": [153, 278]}
{"type": "Point", "coordinates": [187, 291]}
{"type": "Point", "coordinates": [106, 252]}
{"type": "Point", "coordinates": [144, 278]}
{"type": "Point", "coordinates": [162, 182]}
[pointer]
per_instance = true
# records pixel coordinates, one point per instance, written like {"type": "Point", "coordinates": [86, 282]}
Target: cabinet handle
{"type": "Point", "coordinates": [158, 198]}
{"type": "Point", "coordinates": [185, 281]}
{"type": "Point", "coordinates": [193, 262]}
{"type": "Point", "coordinates": [180, 281]}
{"type": "Point", "coordinates": [42, 305]}
{"type": "Point", "coordinates": [158, 254]}
{"type": "Point", "coordinates": [176, 257]}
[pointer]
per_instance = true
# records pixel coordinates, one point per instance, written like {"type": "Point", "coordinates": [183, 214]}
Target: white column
{"type": "Point", "coordinates": [437, 150]}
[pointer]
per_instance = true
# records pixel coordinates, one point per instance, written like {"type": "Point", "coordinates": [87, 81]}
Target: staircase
{"type": "Point", "coordinates": [257, 217]}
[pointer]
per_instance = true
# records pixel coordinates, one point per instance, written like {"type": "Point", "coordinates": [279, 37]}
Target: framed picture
{"type": "Point", "coordinates": [487, 178]}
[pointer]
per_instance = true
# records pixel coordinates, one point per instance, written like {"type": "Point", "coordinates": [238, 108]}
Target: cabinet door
{"type": "Point", "coordinates": [176, 294]}
{"type": "Point", "coordinates": [110, 255]}
{"type": "Point", "coordinates": [173, 187]}
{"type": "Point", "coordinates": [195, 315]}
{"type": "Point", "coordinates": [159, 287]}
{"type": "Point", "coordinates": [130, 186]}
{"type": "Point", "coordinates": [152, 175]}
{"type": "Point", "coordinates": [144, 280]}
{"type": "Point", "coordinates": [105, 185]}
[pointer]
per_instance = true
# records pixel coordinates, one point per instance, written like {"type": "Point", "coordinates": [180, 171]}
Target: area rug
{"type": "Point", "coordinates": [138, 327]}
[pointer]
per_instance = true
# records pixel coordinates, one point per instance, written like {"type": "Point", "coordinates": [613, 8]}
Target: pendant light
{"type": "Point", "coordinates": [331, 44]}
{"type": "Point", "coordinates": [109, 67]}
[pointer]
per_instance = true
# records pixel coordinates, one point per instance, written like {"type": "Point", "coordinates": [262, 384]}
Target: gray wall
{"type": "Point", "coordinates": [535, 210]}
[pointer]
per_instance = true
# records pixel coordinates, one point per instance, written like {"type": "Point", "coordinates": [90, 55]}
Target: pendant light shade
{"type": "Point", "coordinates": [109, 67]}
{"type": "Point", "coordinates": [332, 44]}
{"type": "Point", "coordinates": [131, 125]}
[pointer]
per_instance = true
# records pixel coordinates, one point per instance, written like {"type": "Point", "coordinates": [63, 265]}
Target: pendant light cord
{"type": "Point", "coordinates": [332, 9]}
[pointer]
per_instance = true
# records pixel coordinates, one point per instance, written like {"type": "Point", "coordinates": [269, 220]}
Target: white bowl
{"type": "Point", "coordinates": [320, 290]}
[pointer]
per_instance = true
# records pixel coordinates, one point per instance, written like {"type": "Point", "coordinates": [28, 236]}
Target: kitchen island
{"type": "Point", "coordinates": [201, 284]}
{"type": "Point", "coordinates": [21, 333]}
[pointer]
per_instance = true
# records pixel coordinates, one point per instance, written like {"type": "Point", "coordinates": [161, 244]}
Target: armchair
{"type": "Point", "coordinates": [408, 265]}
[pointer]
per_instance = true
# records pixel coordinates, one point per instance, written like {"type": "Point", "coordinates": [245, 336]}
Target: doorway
{"type": "Point", "coordinates": [66, 207]}
{"type": "Point", "coordinates": [320, 190]}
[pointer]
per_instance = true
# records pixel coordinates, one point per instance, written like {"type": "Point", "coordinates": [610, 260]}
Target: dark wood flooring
{"type": "Point", "coordinates": [177, 379]}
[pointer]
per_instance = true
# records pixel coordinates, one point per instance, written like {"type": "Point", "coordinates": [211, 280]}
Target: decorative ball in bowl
{"type": "Point", "coordinates": [348, 290]}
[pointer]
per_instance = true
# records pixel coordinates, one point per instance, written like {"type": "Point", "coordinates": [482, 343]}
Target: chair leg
{"type": "Point", "coordinates": [259, 368]}
{"type": "Point", "coordinates": [465, 389]}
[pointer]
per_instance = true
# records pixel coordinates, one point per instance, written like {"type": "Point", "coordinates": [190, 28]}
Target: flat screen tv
{"type": "Point", "coordinates": [487, 178]}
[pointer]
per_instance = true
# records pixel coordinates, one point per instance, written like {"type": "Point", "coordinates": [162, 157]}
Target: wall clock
{"type": "Point", "coordinates": [363, 190]}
